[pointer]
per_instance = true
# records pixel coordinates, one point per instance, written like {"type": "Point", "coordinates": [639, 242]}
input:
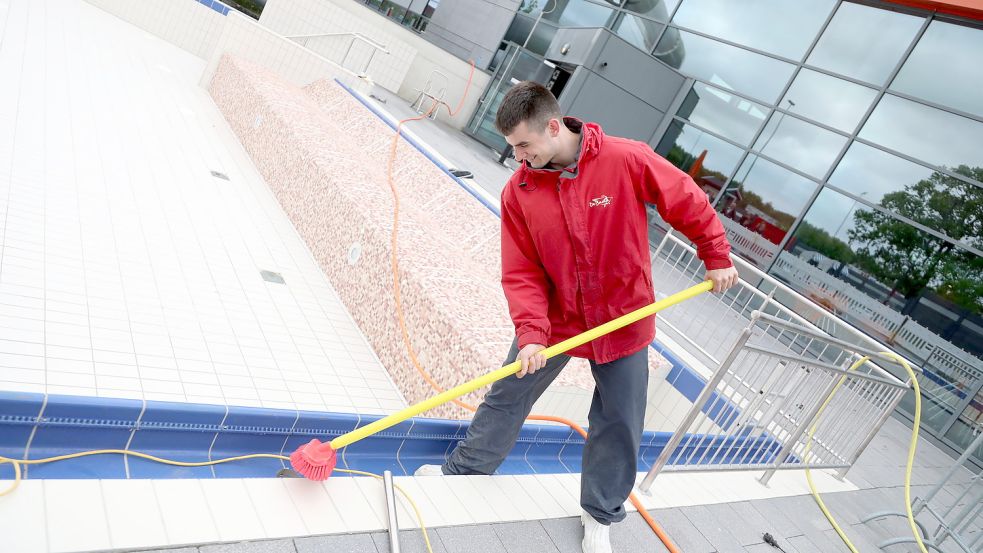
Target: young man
{"type": "Point", "coordinates": [575, 254]}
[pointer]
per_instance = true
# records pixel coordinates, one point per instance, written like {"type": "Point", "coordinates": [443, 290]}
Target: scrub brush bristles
{"type": "Point", "coordinates": [315, 460]}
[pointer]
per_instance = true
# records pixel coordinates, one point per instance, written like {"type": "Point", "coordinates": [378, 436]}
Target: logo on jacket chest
{"type": "Point", "coordinates": [603, 201]}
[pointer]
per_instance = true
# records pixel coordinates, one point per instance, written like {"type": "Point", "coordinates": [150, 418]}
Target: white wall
{"type": "Point", "coordinates": [405, 71]}
{"type": "Point", "coordinates": [244, 37]}
{"type": "Point", "coordinates": [311, 17]}
{"type": "Point", "coordinates": [431, 57]}
{"type": "Point", "coordinates": [184, 23]}
{"type": "Point", "coordinates": [208, 34]}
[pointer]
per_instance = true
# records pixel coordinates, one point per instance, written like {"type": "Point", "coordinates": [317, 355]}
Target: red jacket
{"type": "Point", "coordinates": [575, 251]}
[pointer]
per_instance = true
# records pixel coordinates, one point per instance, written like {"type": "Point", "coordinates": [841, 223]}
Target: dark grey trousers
{"type": "Point", "coordinates": [617, 414]}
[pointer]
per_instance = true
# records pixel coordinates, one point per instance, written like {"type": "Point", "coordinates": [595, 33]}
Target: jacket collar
{"type": "Point", "coordinates": [591, 138]}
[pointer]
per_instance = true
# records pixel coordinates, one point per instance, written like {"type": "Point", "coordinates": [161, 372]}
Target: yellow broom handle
{"type": "Point", "coordinates": [512, 368]}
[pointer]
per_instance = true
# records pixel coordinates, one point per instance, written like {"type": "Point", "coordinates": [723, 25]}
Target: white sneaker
{"type": "Point", "coordinates": [428, 470]}
{"type": "Point", "coordinates": [597, 536]}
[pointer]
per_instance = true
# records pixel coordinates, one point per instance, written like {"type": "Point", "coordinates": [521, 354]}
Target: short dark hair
{"type": "Point", "coordinates": [527, 101]}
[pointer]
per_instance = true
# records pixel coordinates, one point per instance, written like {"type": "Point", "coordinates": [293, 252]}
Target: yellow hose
{"type": "Point", "coordinates": [911, 452]}
{"type": "Point", "coordinates": [568, 344]}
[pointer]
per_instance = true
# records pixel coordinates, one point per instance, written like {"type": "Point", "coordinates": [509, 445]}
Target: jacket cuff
{"type": "Point", "coordinates": [718, 263]}
{"type": "Point", "coordinates": [532, 336]}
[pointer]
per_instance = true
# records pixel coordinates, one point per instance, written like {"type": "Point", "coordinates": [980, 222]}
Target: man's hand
{"type": "Point", "coordinates": [531, 360]}
{"type": "Point", "coordinates": [722, 278]}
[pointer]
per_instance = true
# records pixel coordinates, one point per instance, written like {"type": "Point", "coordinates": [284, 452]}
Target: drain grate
{"type": "Point", "coordinates": [218, 175]}
{"type": "Point", "coordinates": [270, 276]}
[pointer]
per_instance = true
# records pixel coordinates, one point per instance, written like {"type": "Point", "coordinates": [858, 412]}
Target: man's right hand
{"type": "Point", "coordinates": [531, 360]}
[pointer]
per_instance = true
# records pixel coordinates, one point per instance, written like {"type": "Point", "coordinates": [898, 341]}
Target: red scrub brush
{"type": "Point", "coordinates": [314, 460]}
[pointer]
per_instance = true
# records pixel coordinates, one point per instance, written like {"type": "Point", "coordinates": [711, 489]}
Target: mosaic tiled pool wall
{"type": "Point", "coordinates": [325, 157]}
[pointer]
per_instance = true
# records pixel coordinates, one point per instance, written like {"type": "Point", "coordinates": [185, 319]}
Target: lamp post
{"type": "Point", "coordinates": [847, 216]}
{"type": "Point", "coordinates": [791, 105]}
{"type": "Point", "coordinates": [538, 19]}
{"type": "Point", "coordinates": [839, 270]}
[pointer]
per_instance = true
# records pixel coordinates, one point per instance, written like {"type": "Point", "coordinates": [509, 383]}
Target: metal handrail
{"type": "Point", "coordinates": [889, 380]}
{"type": "Point", "coordinates": [775, 321]}
{"type": "Point", "coordinates": [865, 339]}
{"type": "Point", "coordinates": [355, 35]}
{"type": "Point", "coordinates": [762, 402]}
{"type": "Point", "coordinates": [952, 525]}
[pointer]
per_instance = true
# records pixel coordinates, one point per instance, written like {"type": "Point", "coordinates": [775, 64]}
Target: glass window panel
{"type": "Point", "coordinates": [802, 145]}
{"type": "Point", "coordinates": [684, 144]}
{"type": "Point", "coordinates": [722, 112]}
{"type": "Point", "coordinates": [850, 47]}
{"type": "Point", "coordinates": [831, 101]}
{"type": "Point", "coordinates": [724, 65]}
{"type": "Point", "coordinates": [936, 200]}
{"type": "Point", "coordinates": [874, 270]}
{"type": "Point", "coordinates": [777, 26]}
{"type": "Point", "coordinates": [656, 9]}
{"type": "Point", "coordinates": [638, 31]}
{"type": "Point", "coordinates": [945, 67]}
{"type": "Point", "coordinates": [969, 424]}
{"type": "Point", "coordinates": [923, 132]}
{"type": "Point", "coordinates": [759, 206]}
{"type": "Point", "coordinates": [872, 173]}
{"type": "Point", "coordinates": [541, 37]}
{"type": "Point", "coordinates": [532, 8]}
{"type": "Point", "coordinates": [519, 29]}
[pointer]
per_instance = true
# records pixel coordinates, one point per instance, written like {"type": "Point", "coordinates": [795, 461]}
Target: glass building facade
{"type": "Point", "coordinates": [842, 144]}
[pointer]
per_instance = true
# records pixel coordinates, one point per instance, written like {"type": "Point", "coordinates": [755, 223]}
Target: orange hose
{"type": "Point", "coordinates": [402, 321]}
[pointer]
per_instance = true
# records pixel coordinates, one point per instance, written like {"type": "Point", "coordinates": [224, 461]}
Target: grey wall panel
{"type": "Point", "coordinates": [576, 46]}
{"type": "Point", "coordinates": [637, 72]}
{"type": "Point", "coordinates": [617, 111]}
{"type": "Point", "coordinates": [627, 67]}
{"type": "Point", "coordinates": [474, 27]}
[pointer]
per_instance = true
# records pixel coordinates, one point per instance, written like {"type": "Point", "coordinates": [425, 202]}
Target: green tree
{"type": "Point", "coordinates": [783, 219]}
{"type": "Point", "coordinates": [896, 252]}
{"type": "Point", "coordinates": [528, 6]}
{"type": "Point", "coordinates": [821, 241]}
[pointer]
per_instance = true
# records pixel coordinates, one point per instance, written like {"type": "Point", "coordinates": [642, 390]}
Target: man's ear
{"type": "Point", "coordinates": [553, 127]}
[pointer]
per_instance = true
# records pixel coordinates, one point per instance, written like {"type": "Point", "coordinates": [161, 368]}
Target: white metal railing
{"type": "Point", "coordinates": [708, 325]}
{"type": "Point", "coordinates": [770, 404]}
{"type": "Point", "coordinates": [433, 91]}
{"type": "Point", "coordinates": [959, 521]}
{"type": "Point", "coordinates": [845, 300]}
{"type": "Point", "coordinates": [303, 40]}
{"type": "Point", "coordinates": [749, 243]}
{"type": "Point", "coordinates": [840, 294]}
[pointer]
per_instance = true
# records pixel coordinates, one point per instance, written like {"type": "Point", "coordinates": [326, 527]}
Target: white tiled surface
{"type": "Point", "coordinates": [75, 515]}
{"type": "Point", "coordinates": [190, 25]}
{"type": "Point", "coordinates": [232, 509]}
{"type": "Point", "coordinates": [22, 517]}
{"type": "Point", "coordinates": [274, 506]}
{"type": "Point", "coordinates": [83, 515]}
{"type": "Point", "coordinates": [185, 509]}
{"type": "Point", "coordinates": [131, 524]}
{"type": "Point", "coordinates": [126, 268]}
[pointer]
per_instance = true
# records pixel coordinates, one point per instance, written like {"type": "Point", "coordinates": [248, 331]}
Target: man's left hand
{"type": "Point", "coordinates": [722, 278]}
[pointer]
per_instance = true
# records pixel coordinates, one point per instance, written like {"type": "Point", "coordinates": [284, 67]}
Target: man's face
{"type": "Point", "coordinates": [537, 147]}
